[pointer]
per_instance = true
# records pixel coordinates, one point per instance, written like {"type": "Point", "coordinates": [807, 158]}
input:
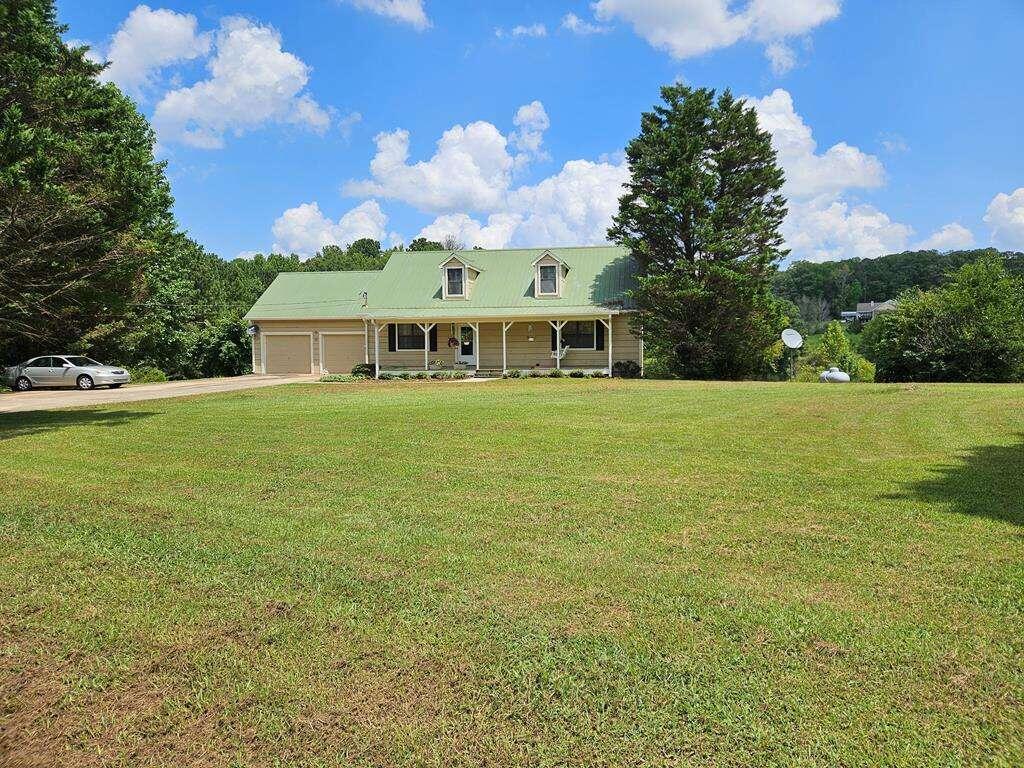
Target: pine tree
{"type": "Point", "coordinates": [701, 215]}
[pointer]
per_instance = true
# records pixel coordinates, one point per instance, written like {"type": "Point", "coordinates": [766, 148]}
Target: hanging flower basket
{"type": "Point", "coordinates": [453, 342]}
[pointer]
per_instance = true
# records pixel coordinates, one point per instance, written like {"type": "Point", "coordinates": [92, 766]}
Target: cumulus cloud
{"type": "Point", "coordinates": [471, 172]}
{"type": "Point", "coordinates": [149, 40]}
{"type": "Point", "coordinates": [305, 229]}
{"type": "Point", "coordinates": [522, 30]}
{"type": "Point", "coordinates": [495, 233]}
{"type": "Point", "coordinates": [808, 173]}
{"type": "Point", "coordinates": [686, 28]}
{"type": "Point", "coordinates": [471, 169]}
{"type": "Point", "coordinates": [409, 12]}
{"type": "Point", "coordinates": [1005, 215]}
{"type": "Point", "coordinates": [822, 223]}
{"type": "Point", "coordinates": [531, 121]}
{"type": "Point", "coordinates": [252, 81]}
{"type": "Point", "coordinates": [573, 23]}
{"type": "Point", "coordinates": [348, 123]}
{"type": "Point", "coordinates": [951, 237]}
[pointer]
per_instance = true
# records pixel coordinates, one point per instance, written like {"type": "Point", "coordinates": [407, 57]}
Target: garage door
{"type": "Point", "coordinates": [342, 351]}
{"type": "Point", "coordinates": [288, 354]}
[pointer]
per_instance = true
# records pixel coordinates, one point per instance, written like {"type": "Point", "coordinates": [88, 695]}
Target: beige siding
{"type": "Point", "coordinates": [414, 358]}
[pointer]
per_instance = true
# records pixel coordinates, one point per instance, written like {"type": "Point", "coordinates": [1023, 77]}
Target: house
{"type": "Point", "coordinates": [484, 311]}
{"type": "Point", "coordinates": [868, 310]}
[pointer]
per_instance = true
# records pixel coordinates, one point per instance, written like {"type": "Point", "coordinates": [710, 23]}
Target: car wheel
{"type": "Point", "coordinates": [115, 386]}
{"type": "Point", "coordinates": [22, 384]}
{"type": "Point", "coordinates": [85, 382]}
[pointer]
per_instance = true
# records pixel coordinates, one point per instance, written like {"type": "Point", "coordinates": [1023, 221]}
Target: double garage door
{"type": "Point", "coordinates": [292, 352]}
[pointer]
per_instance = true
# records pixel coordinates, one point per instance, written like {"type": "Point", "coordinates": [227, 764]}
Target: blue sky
{"type": "Point", "coordinates": [293, 125]}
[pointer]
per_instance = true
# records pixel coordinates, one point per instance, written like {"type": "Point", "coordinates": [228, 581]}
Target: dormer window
{"type": "Point", "coordinates": [455, 278]}
{"type": "Point", "coordinates": [549, 274]}
{"type": "Point", "coordinates": [547, 279]}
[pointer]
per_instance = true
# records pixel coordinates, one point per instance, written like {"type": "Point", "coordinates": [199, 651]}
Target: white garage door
{"type": "Point", "coordinates": [288, 353]}
{"type": "Point", "coordinates": [342, 351]}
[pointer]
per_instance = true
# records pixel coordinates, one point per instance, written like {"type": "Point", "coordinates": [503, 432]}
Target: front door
{"type": "Point", "coordinates": [467, 350]}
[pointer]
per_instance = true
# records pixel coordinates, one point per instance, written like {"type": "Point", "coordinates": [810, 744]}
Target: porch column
{"type": "Point", "coordinates": [608, 324]}
{"type": "Point", "coordinates": [476, 344]}
{"type": "Point", "coordinates": [557, 325]}
{"type": "Point", "coordinates": [366, 342]}
{"type": "Point", "coordinates": [504, 348]}
{"type": "Point", "coordinates": [376, 350]}
{"type": "Point", "coordinates": [425, 327]}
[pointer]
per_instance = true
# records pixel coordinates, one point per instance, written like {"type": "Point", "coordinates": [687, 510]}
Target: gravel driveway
{"type": "Point", "coordinates": [48, 399]}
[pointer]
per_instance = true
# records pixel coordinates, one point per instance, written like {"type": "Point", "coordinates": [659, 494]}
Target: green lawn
{"type": "Point", "coordinates": [525, 572]}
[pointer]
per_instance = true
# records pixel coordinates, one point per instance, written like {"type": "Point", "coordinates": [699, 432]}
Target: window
{"type": "Point", "coordinates": [548, 274]}
{"type": "Point", "coordinates": [41, 362]}
{"type": "Point", "coordinates": [455, 276]}
{"type": "Point", "coordinates": [579, 334]}
{"type": "Point", "coordinates": [410, 336]}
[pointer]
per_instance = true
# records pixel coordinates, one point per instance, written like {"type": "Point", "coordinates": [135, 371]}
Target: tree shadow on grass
{"type": "Point", "coordinates": [987, 482]}
{"type": "Point", "coordinates": [20, 424]}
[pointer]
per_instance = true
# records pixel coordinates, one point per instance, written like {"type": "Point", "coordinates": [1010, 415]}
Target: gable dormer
{"type": "Point", "coordinates": [549, 275]}
{"type": "Point", "coordinates": [457, 278]}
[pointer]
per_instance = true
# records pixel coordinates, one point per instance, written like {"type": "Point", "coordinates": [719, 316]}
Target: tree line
{"type": "Point", "coordinates": [821, 291]}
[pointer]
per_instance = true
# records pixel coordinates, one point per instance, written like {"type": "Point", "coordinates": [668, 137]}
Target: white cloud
{"type": "Point", "coordinates": [1005, 215]}
{"type": "Point", "coordinates": [348, 123]}
{"type": "Point", "coordinates": [149, 40]}
{"type": "Point", "coordinates": [252, 82]}
{"type": "Point", "coordinates": [578, 26]}
{"type": "Point", "coordinates": [686, 28]}
{"type": "Point", "coordinates": [406, 11]}
{"type": "Point", "coordinates": [781, 57]}
{"type": "Point", "coordinates": [531, 121]}
{"type": "Point", "coordinates": [824, 230]}
{"type": "Point", "coordinates": [305, 230]}
{"type": "Point", "coordinates": [840, 168]}
{"type": "Point", "coordinates": [496, 233]}
{"type": "Point", "coordinates": [951, 237]}
{"type": "Point", "coordinates": [822, 224]}
{"type": "Point", "coordinates": [520, 30]}
{"type": "Point", "coordinates": [471, 169]}
{"type": "Point", "coordinates": [893, 143]}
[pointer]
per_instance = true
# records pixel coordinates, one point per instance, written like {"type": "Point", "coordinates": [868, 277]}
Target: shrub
{"type": "Point", "coordinates": [147, 373]}
{"type": "Point", "coordinates": [599, 375]}
{"type": "Point", "coordinates": [362, 369]}
{"type": "Point", "coordinates": [386, 376]}
{"type": "Point", "coordinates": [626, 369]}
{"type": "Point", "coordinates": [334, 378]}
{"type": "Point", "coordinates": [405, 375]}
{"type": "Point", "coordinates": [577, 374]}
{"type": "Point", "coordinates": [865, 370]}
{"type": "Point", "coordinates": [514, 373]}
{"type": "Point", "coordinates": [556, 373]}
{"type": "Point", "coordinates": [460, 375]}
{"type": "Point", "coordinates": [535, 373]}
{"type": "Point", "coordinates": [440, 375]}
{"type": "Point", "coordinates": [421, 375]}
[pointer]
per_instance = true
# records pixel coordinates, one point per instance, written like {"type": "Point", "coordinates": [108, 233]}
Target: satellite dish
{"type": "Point", "coordinates": [792, 339]}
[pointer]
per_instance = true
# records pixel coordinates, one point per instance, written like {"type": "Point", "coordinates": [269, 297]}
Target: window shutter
{"type": "Point", "coordinates": [554, 339]}
{"type": "Point", "coordinates": [433, 339]}
{"type": "Point", "coordinates": [599, 334]}
{"type": "Point", "coordinates": [392, 337]}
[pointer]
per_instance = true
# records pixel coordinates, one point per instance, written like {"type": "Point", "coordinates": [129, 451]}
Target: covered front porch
{"type": "Point", "coordinates": [493, 347]}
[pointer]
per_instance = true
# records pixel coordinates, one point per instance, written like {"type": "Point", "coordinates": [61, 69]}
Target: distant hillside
{"type": "Point", "coordinates": [822, 291]}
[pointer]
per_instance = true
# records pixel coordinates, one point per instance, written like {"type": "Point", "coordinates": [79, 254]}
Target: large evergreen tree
{"type": "Point", "coordinates": [83, 204]}
{"type": "Point", "coordinates": [701, 214]}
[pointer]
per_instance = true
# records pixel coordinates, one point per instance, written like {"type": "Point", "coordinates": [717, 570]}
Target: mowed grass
{"type": "Point", "coordinates": [517, 573]}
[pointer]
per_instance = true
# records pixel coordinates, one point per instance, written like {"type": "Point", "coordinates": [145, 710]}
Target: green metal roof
{"type": "Point", "coordinates": [409, 286]}
{"type": "Point", "coordinates": [313, 296]}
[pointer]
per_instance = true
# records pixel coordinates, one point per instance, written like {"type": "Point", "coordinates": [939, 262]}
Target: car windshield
{"type": "Point", "coordinates": [81, 362]}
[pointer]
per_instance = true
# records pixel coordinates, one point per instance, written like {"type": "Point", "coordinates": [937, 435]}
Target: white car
{"type": "Point", "coordinates": [64, 371]}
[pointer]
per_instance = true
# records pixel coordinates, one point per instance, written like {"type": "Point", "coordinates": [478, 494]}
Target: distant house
{"type": "Point", "coordinates": [867, 310]}
{"type": "Point", "coordinates": [486, 311]}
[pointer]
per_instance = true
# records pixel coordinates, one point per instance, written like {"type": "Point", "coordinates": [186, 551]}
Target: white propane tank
{"type": "Point", "coordinates": [834, 376]}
